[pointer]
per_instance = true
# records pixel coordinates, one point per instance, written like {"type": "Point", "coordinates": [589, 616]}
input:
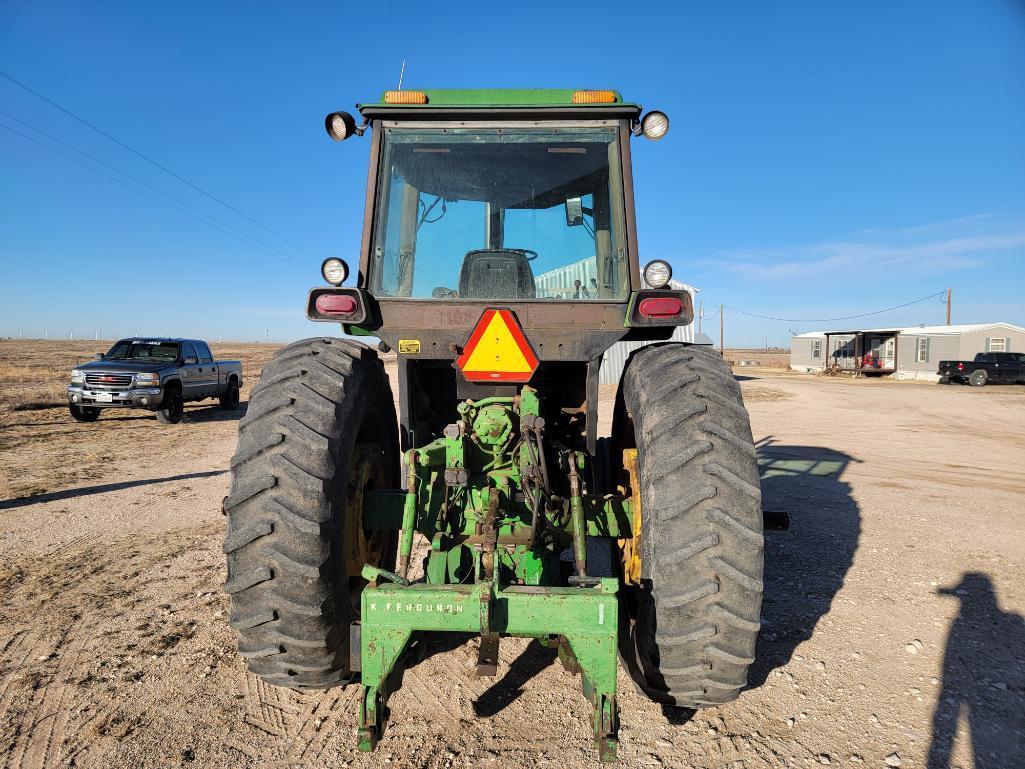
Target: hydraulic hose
{"type": "Point", "coordinates": [576, 509]}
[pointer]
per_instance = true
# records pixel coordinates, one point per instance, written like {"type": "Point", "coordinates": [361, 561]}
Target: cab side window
{"type": "Point", "coordinates": [204, 352]}
{"type": "Point", "coordinates": [188, 351]}
{"type": "Point", "coordinates": [120, 350]}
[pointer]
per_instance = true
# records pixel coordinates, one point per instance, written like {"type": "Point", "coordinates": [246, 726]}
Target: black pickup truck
{"type": "Point", "coordinates": [987, 368]}
{"type": "Point", "coordinates": [160, 375]}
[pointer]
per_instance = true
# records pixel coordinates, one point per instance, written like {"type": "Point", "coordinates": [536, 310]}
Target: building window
{"type": "Point", "coordinates": [996, 344]}
{"type": "Point", "coordinates": [922, 350]}
{"type": "Point", "coordinates": [816, 348]}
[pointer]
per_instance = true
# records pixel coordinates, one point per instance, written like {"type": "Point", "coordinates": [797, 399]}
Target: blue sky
{"type": "Point", "coordinates": [824, 159]}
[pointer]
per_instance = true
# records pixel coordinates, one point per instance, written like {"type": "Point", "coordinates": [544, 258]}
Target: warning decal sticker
{"type": "Point", "coordinates": [497, 350]}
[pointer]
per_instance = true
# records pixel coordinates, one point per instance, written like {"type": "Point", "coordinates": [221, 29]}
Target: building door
{"type": "Point", "coordinates": [888, 357]}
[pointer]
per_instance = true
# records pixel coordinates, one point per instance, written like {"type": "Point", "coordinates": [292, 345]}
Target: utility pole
{"type": "Point", "coordinates": [701, 313]}
{"type": "Point", "coordinates": [722, 343]}
{"type": "Point", "coordinates": [948, 306]}
{"type": "Point", "coordinates": [268, 336]}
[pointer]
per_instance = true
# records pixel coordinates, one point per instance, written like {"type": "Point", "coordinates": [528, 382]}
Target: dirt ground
{"type": "Point", "coordinates": [892, 629]}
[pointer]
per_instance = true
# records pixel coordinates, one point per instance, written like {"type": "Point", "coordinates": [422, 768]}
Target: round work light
{"type": "Point", "coordinates": [658, 273]}
{"type": "Point", "coordinates": [340, 125]}
{"type": "Point", "coordinates": [335, 271]}
{"type": "Point", "coordinates": [655, 125]}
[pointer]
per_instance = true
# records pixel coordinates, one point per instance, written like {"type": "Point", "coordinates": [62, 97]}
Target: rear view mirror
{"type": "Point", "coordinates": [98, 356]}
{"type": "Point", "coordinates": [574, 212]}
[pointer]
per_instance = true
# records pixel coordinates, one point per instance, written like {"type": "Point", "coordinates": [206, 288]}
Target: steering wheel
{"type": "Point", "coordinates": [527, 252]}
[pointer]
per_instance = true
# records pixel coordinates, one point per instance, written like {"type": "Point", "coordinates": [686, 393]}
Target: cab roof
{"type": "Point", "coordinates": [178, 339]}
{"type": "Point", "coordinates": [542, 101]}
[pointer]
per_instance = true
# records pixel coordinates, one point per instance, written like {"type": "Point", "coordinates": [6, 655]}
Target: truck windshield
{"type": "Point", "coordinates": [126, 350]}
{"type": "Point", "coordinates": [500, 213]}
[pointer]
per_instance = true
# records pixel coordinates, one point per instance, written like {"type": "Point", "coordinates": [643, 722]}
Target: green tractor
{"type": "Point", "coordinates": [499, 261]}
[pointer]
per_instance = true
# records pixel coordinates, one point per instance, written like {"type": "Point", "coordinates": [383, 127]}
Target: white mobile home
{"type": "Point", "coordinates": [912, 352]}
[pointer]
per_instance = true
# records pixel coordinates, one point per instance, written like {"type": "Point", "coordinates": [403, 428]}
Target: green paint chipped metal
{"type": "Point", "coordinates": [476, 495]}
{"type": "Point", "coordinates": [584, 621]}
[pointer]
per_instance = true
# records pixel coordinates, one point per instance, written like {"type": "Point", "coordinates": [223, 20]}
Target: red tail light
{"type": "Point", "coordinates": [336, 304]}
{"type": "Point", "coordinates": [660, 307]}
{"type": "Point", "coordinates": [960, 367]}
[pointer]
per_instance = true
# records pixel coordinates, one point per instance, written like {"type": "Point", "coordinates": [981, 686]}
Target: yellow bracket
{"type": "Point", "coordinates": [365, 472]}
{"type": "Point", "coordinates": [631, 548]}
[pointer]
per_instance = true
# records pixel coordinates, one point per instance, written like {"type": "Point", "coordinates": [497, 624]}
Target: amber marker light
{"type": "Point", "coordinates": [405, 97]}
{"type": "Point", "coordinates": [594, 97]}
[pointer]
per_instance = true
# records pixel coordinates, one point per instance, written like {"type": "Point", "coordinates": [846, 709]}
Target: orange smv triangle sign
{"type": "Point", "coordinates": [497, 350]}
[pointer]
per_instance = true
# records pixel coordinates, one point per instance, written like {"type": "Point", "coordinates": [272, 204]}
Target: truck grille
{"type": "Point", "coordinates": [113, 381]}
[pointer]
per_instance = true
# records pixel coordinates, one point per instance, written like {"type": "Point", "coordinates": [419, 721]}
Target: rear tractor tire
{"type": "Point", "coordinates": [694, 619]}
{"type": "Point", "coordinates": [320, 431]}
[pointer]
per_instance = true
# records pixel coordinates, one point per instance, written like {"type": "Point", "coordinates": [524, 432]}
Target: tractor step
{"type": "Point", "coordinates": [584, 618]}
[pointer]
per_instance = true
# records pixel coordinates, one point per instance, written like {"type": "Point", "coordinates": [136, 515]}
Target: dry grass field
{"type": "Point", "coordinates": [772, 360]}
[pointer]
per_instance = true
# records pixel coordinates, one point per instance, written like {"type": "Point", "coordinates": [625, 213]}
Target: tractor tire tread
{"type": "Point", "coordinates": [698, 609]}
{"type": "Point", "coordinates": [290, 609]}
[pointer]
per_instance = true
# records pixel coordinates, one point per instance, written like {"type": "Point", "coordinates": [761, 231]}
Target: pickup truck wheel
{"type": "Point", "coordinates": [694, 618]}
{"type": "Point", "coordinates": [173, 410]}
{"type": "Point", "coordinates": [229, 400]}
{"type": "Point", "coordinates": [84, 413]}
{"type": "Point", "coordinates": [320, 431]}
{"type": "Point", "coordinates": [978, 378]}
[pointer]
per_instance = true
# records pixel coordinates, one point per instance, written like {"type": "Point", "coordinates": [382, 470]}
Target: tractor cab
{"type": "Point", "coordinates": [519, 199]}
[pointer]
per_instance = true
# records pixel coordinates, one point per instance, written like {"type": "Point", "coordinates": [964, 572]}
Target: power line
{"type": "Point", "coordinates": [140, 192]}
{"type": "Point", "coordinates": [248, 239]}
{"type": "Point", "coordinates": [843, 317]}
{"type": "Point", "coordinates": [150, 160]}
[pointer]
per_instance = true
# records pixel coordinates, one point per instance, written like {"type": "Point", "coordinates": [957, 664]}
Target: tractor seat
{"type": "Point", "coordinates": [496, 273]}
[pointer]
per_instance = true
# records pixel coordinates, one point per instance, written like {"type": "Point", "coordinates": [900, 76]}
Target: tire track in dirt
{"type": "Point", "coordinates": [291, 726]}
{"type": "Point", "coordinates": [44, 722]}
{"type": "Point", "coordinates": [331, 716]}
{"type": "Point", "coordinates": [85, 629]}
{"type": "Point", "coordinates": [14, 658]}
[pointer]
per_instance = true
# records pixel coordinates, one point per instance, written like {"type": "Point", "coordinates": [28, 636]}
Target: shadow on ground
{"type": "Point", "coordinates": [983, 680]}
{"type": "Point", "coordinates": [203, 413]}
{"type": "Point", "coordinates": [509, 687]}
{"type": "Point", "coordinates": [103, 488]}
{"type": "Point", "coordinates": [805, 567]}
